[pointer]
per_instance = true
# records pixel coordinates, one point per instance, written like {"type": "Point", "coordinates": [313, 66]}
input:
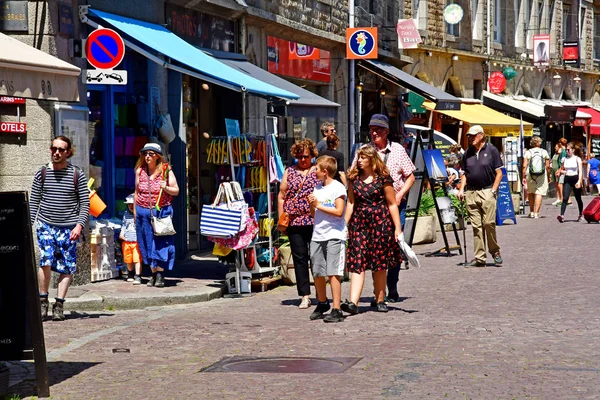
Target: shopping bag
{"type": "Point", "coordinates": [276, 168]}
{"type": "Point", "coordinates": [222, 219]}
{"type": "Point", "coordinates": [408, 252]}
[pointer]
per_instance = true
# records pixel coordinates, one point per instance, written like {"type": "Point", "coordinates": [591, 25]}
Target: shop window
{"type": "Point", "coordinates": [119, 127]}
{"type": "Point", "coordinates": [420, 13]}
{"type": "Point", "coordinates": [597, 36]}
{"type": "Point", "coordinates": [567, 22]}
{"type": "Point", "coordinates": [500, 21]}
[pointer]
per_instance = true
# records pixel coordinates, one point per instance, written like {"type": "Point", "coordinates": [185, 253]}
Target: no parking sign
{"type": "Point", "coordinates": [104, 48]}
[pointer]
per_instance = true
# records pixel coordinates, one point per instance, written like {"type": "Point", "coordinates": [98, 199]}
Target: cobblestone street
{"type": "Point", "coordinates": [528, 329]}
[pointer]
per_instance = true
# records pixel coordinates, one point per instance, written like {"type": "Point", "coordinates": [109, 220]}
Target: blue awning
{"type": "Point", "coordinates": [167, 43]}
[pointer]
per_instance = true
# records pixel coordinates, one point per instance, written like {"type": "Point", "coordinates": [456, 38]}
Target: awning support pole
{"type": "Point", "coordinates": [351, 87]}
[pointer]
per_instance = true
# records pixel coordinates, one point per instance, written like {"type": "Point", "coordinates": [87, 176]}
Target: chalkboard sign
{"type": "Point", "coordinates": [15, 258]}
{"type": "Point", "coordinates": [504, 206]}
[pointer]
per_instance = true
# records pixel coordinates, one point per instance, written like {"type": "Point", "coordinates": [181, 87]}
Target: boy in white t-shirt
{"type": "Point", "coordinates": [328, 244]}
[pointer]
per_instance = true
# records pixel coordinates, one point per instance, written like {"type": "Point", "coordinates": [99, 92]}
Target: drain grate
{"type": "Point", "coordinates": [285, 365]}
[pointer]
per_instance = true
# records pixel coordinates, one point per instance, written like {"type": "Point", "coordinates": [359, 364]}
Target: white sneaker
{"type": "Point", "coordinates": [531, 215]}
{"type": "Point", "coordinates": [536, 215]}
{"type": "Point", "coordinates": [557, 203]}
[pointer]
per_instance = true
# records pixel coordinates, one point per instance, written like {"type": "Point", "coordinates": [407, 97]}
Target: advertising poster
{"type": "Point", "coordinates": [571, 54]}
{"type": "Point", "coordinates": [281, 62]}
{"type": "Point", "coordinates": [541, 50]}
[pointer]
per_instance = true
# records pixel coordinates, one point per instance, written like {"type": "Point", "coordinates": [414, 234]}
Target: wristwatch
{"type": "Point", "coordinates": [494, 192]}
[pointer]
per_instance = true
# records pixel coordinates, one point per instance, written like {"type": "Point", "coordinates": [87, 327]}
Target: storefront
{"type": "Point", "coordinates": [495, 124]}
{"type": "Point", "coordinates": [380, 91]}
{"type": "Point", "coordinates": [201, 93]}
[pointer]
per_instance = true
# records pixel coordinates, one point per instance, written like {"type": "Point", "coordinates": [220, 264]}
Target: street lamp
{"type": "Point", "coordinates": [577, 80]}
{"type": "Point", "coordinates": [556, 78]}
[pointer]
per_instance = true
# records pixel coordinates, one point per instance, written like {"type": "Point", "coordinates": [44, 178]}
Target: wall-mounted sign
{"type": "Point", "coordinates": [11, 100]}
{"type": "Point", "coordinates": [303, 52]}
{"type": "Point", "coordinates": [19, 128]}
{"type": "Point", "coordinates": [199, 29]}
{"type": "Point", "coordinates": [571, 54]}
{"type": "Point", "coordinates": [361, 43]}
{"type": "Point", "coordinates": [280, 63]}
{"type": "Point", "coordinates": [104, 48]}
{"type": "Point", "coordinates": [408, 34]}
{"type": "Point", "coordinates": [541, 50]}
{"type": "Point", "coordinates": [497, 82]}
{"type": "Point", "coordinates": [65, 19]}
{"type": "Point", "coordinates": [453, 14]}
{"type": "Point", "coordinates": [13, 16]}
{"type": "Point", "coordinates": [104, 76]}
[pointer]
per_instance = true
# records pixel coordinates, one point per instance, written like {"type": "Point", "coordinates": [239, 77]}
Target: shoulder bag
{"type": "Point", "coordinates": [162, 226]}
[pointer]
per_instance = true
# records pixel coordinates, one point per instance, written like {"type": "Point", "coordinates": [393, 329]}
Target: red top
{"type": "Point", "coordinates": [148, 200]}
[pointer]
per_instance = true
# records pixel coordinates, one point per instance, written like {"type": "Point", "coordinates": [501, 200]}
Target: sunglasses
{"type": "Point", "coordinates": [302, 157]}
{"type": "Point", "coordinates": [332, 130]}
{"type": "Point", "coordinates": [54, 149]}
{"type": "Point", "coordinates": [149, 153]}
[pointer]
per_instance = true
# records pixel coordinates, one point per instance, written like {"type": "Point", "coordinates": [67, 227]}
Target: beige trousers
{"type": "Point", "coordinates": [481, 207]}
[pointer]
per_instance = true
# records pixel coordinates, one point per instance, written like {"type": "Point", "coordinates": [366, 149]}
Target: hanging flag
{"type": "Point", "coordinates": [408, 34]}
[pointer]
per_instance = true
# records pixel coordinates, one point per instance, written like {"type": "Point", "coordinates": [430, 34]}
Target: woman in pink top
{"type": "Point", "coordinates": [150, 177]}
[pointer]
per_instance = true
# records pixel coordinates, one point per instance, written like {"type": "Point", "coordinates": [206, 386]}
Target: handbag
{"type": "Point", "coordinates": [163, 226]}
{"type": "Point", "coordinates": [243, 238]}
{"type": "Point", "coordinates": [283, 222]}
{"type": "Point", "coordinates": [222, 219]}
{"type": "Point", "coordinates": [276, 168]}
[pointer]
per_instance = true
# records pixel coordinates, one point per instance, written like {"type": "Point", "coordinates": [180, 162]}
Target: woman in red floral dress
{"type": "Point", "coordinates": [373, 226]}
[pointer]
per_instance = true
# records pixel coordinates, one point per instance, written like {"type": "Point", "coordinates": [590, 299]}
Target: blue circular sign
{"type": "Point", "coordinates": [362, 43]}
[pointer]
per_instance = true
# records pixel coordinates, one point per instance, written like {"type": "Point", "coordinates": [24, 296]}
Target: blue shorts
{"type": "Point", "coordinates": [57, 250]}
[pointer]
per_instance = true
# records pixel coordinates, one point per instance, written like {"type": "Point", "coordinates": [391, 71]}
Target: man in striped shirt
{"type": "Point", "coordinates": [60, 207]}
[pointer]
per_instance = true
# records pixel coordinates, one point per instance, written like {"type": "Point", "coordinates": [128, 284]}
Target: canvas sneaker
{"type": "Point", "coordinates": [137, 280]}
{"type": "Point", "coordinates": [557, 203]}
{"type": "Point", "coordinates": [321, 309]}
{"type": "Point", "coordinates": [498, 258]}
{"type": "Point", "coordinates": [334, 316]}
{"type": "Point", "coordinates": [474, 263]}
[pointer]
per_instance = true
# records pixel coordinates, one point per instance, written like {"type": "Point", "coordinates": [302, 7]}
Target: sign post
{"type": "Point", "coordinates": [22, 338]}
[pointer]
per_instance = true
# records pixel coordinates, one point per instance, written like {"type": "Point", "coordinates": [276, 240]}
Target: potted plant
{"type": "Point", "coordinates": [426, 220]}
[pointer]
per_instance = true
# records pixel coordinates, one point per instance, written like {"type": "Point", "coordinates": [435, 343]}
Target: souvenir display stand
{"type": "Point", "coordinates": [245, 161]}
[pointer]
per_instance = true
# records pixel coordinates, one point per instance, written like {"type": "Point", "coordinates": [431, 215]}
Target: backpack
{"type": "Point", "coordinates": [537, 163]}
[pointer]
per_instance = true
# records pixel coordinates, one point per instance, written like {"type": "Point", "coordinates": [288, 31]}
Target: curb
{"type": "Point", "coordinates": [95, 302]}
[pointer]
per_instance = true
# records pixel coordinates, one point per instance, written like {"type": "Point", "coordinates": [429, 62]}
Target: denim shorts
{"type": "Point", "coordinates": [57, 250]}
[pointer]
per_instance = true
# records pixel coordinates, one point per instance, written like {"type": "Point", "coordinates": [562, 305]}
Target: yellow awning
{"type": "Point", "coordinates": [494, 123]}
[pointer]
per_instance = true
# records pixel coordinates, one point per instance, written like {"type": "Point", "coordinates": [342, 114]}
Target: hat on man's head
{"type": "Point", "coordinates": [380, 120]}
{"type": "Point", "coordinates": [129, 199]}
{"type": "Point", "coordinates": [475, 129]}
{"type": "Point", "coordinates": [155, 147]}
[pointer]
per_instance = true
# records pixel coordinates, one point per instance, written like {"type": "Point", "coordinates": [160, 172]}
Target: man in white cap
{"type": "Point", "coordinates": [479, 187]}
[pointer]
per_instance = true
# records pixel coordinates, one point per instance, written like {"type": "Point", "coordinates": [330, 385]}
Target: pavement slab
{"type": "Point", "coordinates": [526, 330]}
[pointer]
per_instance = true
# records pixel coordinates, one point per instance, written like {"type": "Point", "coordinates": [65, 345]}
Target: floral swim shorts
{"type": "Point", "coordinates": [57, 250]}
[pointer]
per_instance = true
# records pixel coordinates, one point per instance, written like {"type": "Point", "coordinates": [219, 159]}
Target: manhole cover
{"type": "Point", "coordinates": [286, 365]}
